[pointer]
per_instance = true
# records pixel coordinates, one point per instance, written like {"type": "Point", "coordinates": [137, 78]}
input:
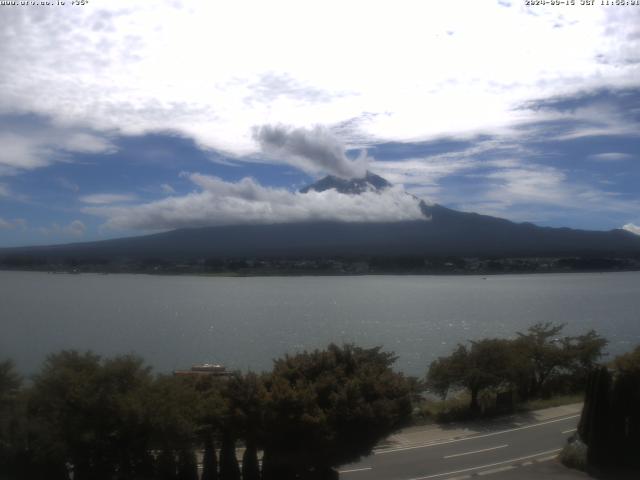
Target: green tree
{"type": "Point", "coordinates": [187, 465]}
{"type": "Point", "coordinates": [174, 410]}
{"type": "Point", "coordinates": [245, 397]}
{"type": "Point", "coordinates": [628, 363]}
{"type": "Point", "coordinates": [485, 364]}
{"type": "Point", "coordinates": [209, 459]}
{"type": "Point", "coordinates": [584, 352]}
{"type": "Point", "coordinates": [91, 414]}
{"type": "Point", "coordinates": [610, 421]}
{"type": "Point", "coordinates": [544, 355]}
{"type": "Point", "coordinates": [12, 420]}
{"type": "Point", "coordinates": [167, 465]}
{"type": "Point", "coordinates": [229, 468]}
{"type": "Point", "coordinates": [329, 407]}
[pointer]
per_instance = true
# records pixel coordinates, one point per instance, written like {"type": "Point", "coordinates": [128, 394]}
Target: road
{"type": "Point", "coordinates": [480, 454]}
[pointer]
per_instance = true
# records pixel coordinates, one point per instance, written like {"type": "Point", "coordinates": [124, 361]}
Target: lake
{"type": "Point", "coordinates": [175, 321]}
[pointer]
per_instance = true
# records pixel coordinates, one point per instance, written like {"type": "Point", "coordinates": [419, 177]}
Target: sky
{"type": "Point", "coordinates": [123, 118]}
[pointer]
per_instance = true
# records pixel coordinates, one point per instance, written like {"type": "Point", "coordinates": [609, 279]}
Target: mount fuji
{"type": "Point", "coordinates": [442, 232]}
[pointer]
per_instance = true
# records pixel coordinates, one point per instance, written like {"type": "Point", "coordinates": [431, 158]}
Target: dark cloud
{"type": "Point", "coordinates": [314, 150]}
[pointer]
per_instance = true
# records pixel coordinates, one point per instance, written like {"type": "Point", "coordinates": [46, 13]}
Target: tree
{"type": "Point", "coordinates": [329, 407]}
{"type": "Point", "coordinates": [628, 363]}
{"type": "Point", "coordinates": [209, 460]}
{"type": "Point", "coordinates": [167, 465]}
{"type": "Point", "coordinates": [229, 468]}
{"type": "Point", "coordinates": [245, 397]}
{"type": "Point", "coordinates": [610, 421]}
{"type": "Point", "coordinates": [583, 353]}
{"type": "Point", "coordinates": [12, 419]}
{"type": "Point", "coordinates": [187, 465]}
{"type": "Point", "coordinates": [91, 413]}
{"type": "Point", "coordinates": [486, 364]}
{"type": "Point", "coordinates": [209, 420]}
{"type": "Point", "coordinates": [544, 354]}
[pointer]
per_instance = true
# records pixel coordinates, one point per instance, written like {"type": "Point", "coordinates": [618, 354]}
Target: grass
{"type": "Point", "coordinates": [456, 407]}
{"type": "Point", "coordinates": [556, 401]}
{"type": "Point", "coordinates": [574, 455]}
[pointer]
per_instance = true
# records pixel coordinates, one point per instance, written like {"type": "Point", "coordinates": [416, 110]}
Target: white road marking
{"type": "Point", "coordinates": [497, 470]}
{"type": "Point", "coordinates": [476, 451]}
{"type": "Point", "coordinates": [570, 430]}
{"type": "Point", "coordinates": [486, 466]}
{"type": "Point", "coordinates": [473, 437]}
{"type": "Point", "coordinates": [355, 470]}
{"type": "Point", "coordinates": [545, 459]}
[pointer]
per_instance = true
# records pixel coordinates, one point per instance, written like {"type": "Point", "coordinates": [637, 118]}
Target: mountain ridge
{"type": "Point", "coordinates": [443, 232]}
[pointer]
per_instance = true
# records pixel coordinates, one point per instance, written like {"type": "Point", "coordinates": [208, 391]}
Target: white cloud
{"type": "Point", "coordinates": [107, 198]}
{"type": "Point", "coordinates": [406, 73]}
{"type": "Point", "coordinates": [534, 192]}
{"type": "Point", "coordinates": [610, 157]}
{"type": "Point", "coordinates": [168, 189]}
{"type": "Point", "coordinates": [311, 150]}
{"type": "Point", "coordinates": [86, 143]}
{"type": "Point", "coordinates": [74, 228]}
{"type": "Point", "coordinates": [19, 223]}
{"type": "Point", "coordinates": [493, 177]}
{"type": "Point", "coordinates": [633, 228]}
{"type": "Point", "coordinates": [217, 202]}
{"type": "Point", "coordinates": [35, 146]}
{"type": "Point", "coordinates": [67, 184]}
{"type": "Point", "coordinates": [422, 176]}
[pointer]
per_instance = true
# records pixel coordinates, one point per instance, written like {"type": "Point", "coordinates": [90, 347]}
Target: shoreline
{"type": "Point", "coordinates": [275, 274]}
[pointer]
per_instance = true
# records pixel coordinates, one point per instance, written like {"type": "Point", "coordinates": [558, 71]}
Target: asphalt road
{"type": "Point", "coordinates": [491, 452]}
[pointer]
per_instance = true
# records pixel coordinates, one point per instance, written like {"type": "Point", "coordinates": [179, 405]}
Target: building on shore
{"type": "Point", "coordinates": [204, 370]}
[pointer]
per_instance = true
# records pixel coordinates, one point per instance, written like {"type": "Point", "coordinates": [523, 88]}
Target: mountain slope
{"type": "Point", "coordinates": [443, 232]}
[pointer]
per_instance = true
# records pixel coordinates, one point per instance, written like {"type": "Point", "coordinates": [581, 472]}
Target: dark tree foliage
{"type": "Point", "coordinates": [245, 402]}
{"type": "Point", "coordinates": [12, 420]}
{"type": "Point", "coordinates": [542, 351]}
{"type": "Point", "coordinates": [209, 459]}
{"type": "Point", "coordinates": [330, 407]}
{"type": "Point", "coordinates": [173, 406]}
{"type": "Point", "coordinates": [610, 421]}
{"type": "Point", "coordinates": [250, 466]}
{"type": "Point", "coordinates": [544, 355]}
{"type": "Point", "coordinates": [537, 362]}
{"type": "Point", "coordinates": [629, 363]}
{"type": "Point", "coordinates": [167, 465]}
{"type": "Point", "coordinates": [106, 417]}
{"type": "Point", "coordinates": [187, 465]}
{"type": "Point", "coordinates": [110, 419]}
{"type": "Point", "coordinates": [229, 468]}
{"type": "Point", "coordinates": [594, 424]}
{"type": "Point", "coordinates": [485, 364]}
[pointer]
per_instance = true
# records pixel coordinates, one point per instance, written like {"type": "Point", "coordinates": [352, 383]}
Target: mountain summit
{"type": "Point", "coordinates": [352, 186]}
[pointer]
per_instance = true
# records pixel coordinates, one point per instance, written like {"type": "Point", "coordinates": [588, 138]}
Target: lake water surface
{"type": "Point", "coordinates": [174, 321]}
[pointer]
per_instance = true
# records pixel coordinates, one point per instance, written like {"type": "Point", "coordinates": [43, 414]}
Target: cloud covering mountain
{"type": "Point", "coordinates": [217, 202]}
